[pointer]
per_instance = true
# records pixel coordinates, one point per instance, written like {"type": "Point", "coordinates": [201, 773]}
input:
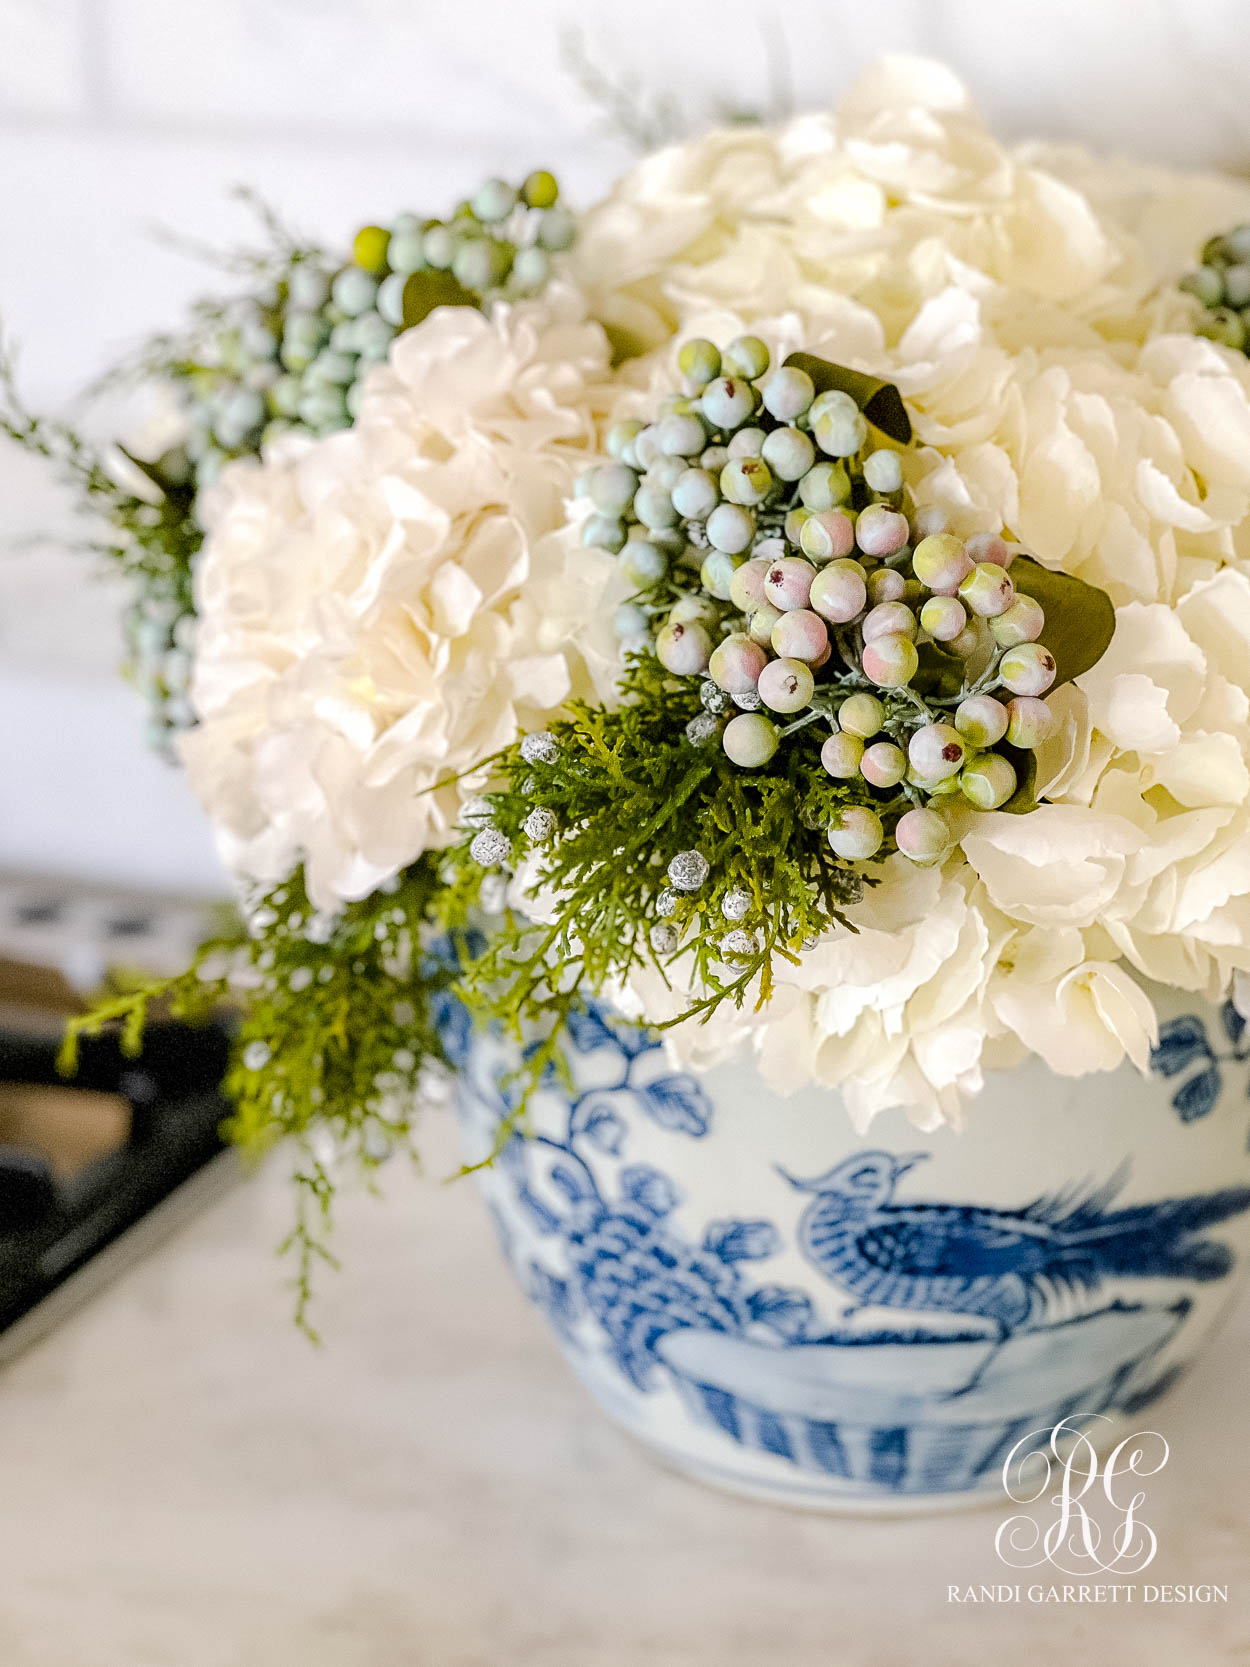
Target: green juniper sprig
{"type": "Point", "coordinates": [644, 841]}
{"type": "Point", "coordinates": [337, 1019]}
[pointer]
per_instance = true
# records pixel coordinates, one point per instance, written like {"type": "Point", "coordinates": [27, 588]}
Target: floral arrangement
{"type": "Point", "coordinates": [818, 619]}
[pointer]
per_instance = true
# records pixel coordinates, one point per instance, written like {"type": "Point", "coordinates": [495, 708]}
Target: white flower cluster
{"type": "Point", "coordinates": [1024, 303]}
{"type": "Point", "coordinates": [384, 608]}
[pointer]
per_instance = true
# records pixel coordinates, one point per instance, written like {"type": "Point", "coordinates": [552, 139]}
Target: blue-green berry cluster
{"type": "Point", "coordinates": [774, 556]}
{"type": "Point", "coordinates": [1222, 284]}
{"type": "Point", "coordinates": [297, 356]}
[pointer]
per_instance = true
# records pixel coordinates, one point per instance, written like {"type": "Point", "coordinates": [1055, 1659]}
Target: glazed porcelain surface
{"type": "Point", "coordinates": [783, 1307]}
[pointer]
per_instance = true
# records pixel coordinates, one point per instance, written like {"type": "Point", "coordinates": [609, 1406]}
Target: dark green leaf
{"type": "Point", "coordinates": [423, 291]}
{"type": "Point", "coordinates": [1024, 797]}
{"type": "Point", "coordinates": [1080, 618]}
{"type": "Point", "coordinates": [880, 401]}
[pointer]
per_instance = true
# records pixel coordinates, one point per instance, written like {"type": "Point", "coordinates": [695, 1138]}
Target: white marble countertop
{"type": "Point", "coordinates": [184, 1482]}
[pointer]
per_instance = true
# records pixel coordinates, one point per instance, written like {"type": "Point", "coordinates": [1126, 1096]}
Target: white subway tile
{"type": "Point", "coordinates": [41, 58]}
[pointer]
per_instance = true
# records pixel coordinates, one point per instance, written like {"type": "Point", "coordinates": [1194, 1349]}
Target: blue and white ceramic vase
{"type": "Point", "coordinates": [782, 1307]}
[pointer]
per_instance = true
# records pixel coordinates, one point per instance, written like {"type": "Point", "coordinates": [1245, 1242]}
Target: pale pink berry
{"type": "Point", "coordinates": [839, 592]}
{"type": "Point", "coordinates": [746, 588]}
{"type": "Point", "coordinates": [856, 833]}
{"type": "Point", "coordinates": [987, 590]}
{"type": "Point", "coordinates": [822, 657]}
{"type": "Point", "coordinates": [988, 780]}
{"type": "Point", "coordinates": [880, 530]}
{"type": "Point", "coordinates": [891, 661]}
{"type": "Point", "coordinates": [684, 649]}
{"type": "Point", "coordinates": [841, 754]}
{"type": "Point", "coordinates": [981, 720]}
{"type": "Point", "coordinates": [989, 547]}
{"type": "Point", "coordinates": [786, 685]}
{"type": "Point", "coordinates": [800, 635]}
{"type": "Point", "coordinates": [1028, 669]}
{"type": "Point", "coordinates": [966, 643]}
{"type": "Point", "coordinates": [1029, 722]}
{"type": "Point", "coordinates": [826, 535]}
{"type": "Point", "coordinates": [941, 563]}
{"type": "Point", "coordinates": [736, 663]}
{"type": "Point", "coordinates": [889, 619]}
{"type": "Point", "coordinates": [936, 752]}
{"type": "Point", "coordinates": [861, 714]}
{"type": "Point", "coordinates": [1021, 622]}
{"type": "Point", "coordinates": [886, 584]}
{"type": "Point", "coordinates": [922, 835]}
{"type": "Point", "coordinates": [883, 764]}
{"type": "Point", "coordinates": [788, 583]}
{"type": "Point", "coordinates": [761, 621]}
{"type": "Point", "coordinates": [750, 739]}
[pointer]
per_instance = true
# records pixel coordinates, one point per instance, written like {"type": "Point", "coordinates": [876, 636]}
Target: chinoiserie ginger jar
{"type": "Point", "coordinates": [784, 1308]}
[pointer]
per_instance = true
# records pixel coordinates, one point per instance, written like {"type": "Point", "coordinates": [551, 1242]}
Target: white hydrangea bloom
{"type": "Point", "coordinates": [382, 609]}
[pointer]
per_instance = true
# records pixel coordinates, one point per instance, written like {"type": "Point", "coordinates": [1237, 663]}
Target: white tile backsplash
{"type": "Point", "coordinates": [116, 114]}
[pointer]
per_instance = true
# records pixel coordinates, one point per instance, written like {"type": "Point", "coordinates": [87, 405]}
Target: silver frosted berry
{"type": "Point", "coordinates": [736, 904]}
{"type": "Point", "coordinates": [664, 938]}
{"type": "Point", "coordinates": [715, 699]}
{"type": "Point", "coordinates": [666, 902]}
{"type": "Point", "coordinates": [540, 824]}
{"type": "Point", "coordinates": [739, 943]}
{"type": "Point", "coordinates": [490, 847]}
{"type": "Point", "coordinates": [256, 1056]}
{"type": "Point", "coordinates": [540, 748]}
{"type": "Point", "coordinates": [688, 870]}
{"type": "Point", "coordinates": [476, 813]}
{"type": "Point", "coordinates": [702, 729]}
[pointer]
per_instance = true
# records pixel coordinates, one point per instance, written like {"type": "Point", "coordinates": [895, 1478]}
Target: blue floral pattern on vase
{"type": "Point", "coordinates": [1184, 1050]}
{"type": "Point", "coordinates": [985, 1349]}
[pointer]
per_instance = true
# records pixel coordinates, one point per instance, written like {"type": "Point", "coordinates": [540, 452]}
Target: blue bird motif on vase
{"type": "Point", "coordinates": [999, 1265]}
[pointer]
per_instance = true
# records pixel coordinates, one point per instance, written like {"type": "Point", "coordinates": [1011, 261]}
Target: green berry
{"type": "Point", "coordinates": [643, 563]}
{"type": "Point", "coordinates": [540, 189]}
{"type": "Point", "coordinates": [750, 739]}
{"type": "Point", "coordinates": [482, 263]}
{"type": "Point", "coordinates": [841, 755]}
{"type": "Point", "coordinates": [862, 715]}
{"type": "Point", "coordinates": [744, 480]}
{"type": "Point", "coordinates": [981, 720]}
{"type": "Point", "coordinates": [370, 247]}
{"type": "Point", "coordinates": [825, 486]}
{"type": "Point", "coordinates": [531, 269]}
{"type": "Point", "coordinates": [988, 780]}
{"type": "Point", "coordinates": [699, 361]}
{"type": "Point", "coordinates": [605, 532]}
{"type": "Point", "coordinates": [731, 528]}
{"type": "Point", "coordinates": [494, 200]}
{"type": "Point", "coordinates": [883, 471]}
{"type": "Point", "coordinates": [747, 356]}
{"type": "Point", "coordinates": [787, 393]}
{"type": "Point", "coordinates": [556, 229]}
{"type": "Point", "coordinates": [717, 572]}
{"type": "Point", "coordinates": [695, 494]}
